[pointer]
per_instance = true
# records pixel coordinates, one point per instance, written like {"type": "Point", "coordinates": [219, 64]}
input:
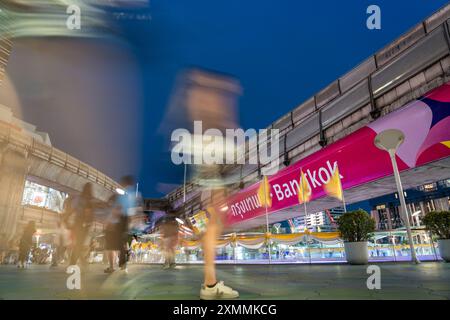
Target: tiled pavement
{"type": "Point", "coordinates": [430, 280]}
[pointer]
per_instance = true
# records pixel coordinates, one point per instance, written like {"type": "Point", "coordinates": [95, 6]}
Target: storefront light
{"type": "Point", "coordinates": [429, 187]}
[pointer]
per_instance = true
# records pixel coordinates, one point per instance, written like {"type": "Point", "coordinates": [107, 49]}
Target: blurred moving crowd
{"type": "Point", "coordinates": [75, 243]}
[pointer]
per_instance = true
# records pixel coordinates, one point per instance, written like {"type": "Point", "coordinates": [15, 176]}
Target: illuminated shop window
{"type": "Point", "coordinates": [430, 187]}
{"type": "Point", "coordinates": [44, 197]}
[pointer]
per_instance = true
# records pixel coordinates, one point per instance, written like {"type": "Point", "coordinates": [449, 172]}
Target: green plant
{"type": "Point", "coordinates": [356, 226]}
{"type": "Point", "coordinates": [438, 222]}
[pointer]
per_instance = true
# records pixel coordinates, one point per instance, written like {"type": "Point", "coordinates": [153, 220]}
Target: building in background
{"type": "Point", "coordinates": [8, 119]}
{"type": "Point", "coordinates": [322, 221]}
{"type": "Point", "coordinates": [434, 196]}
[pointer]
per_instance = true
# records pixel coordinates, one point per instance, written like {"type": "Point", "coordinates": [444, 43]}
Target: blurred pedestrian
{"type": "Point", "coordinates": [207, 100]}
{"type": "Point", "coordinates": [112, 233]}
{"type": "Point", "coordinates": [12, 255]}
{"type": "Point", "coordinates": [169, 232]}
{"type": "Point", "coordinates": [127, 204]}
{"type": "Point", "coordinates": [212, 98]}
{"type": "Point", "coordinates": [133, 248]}
{"type": "Point", "coordinates": [61, 242]}
{"type": "Point", "coordinates": [82, 207]}
{"type": "Point", "coordinates": [26, 243]}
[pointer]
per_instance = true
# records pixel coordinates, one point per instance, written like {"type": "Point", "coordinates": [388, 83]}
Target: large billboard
{"type": "Point", "coordinates": [41, 196]}
{"type": "Point", "coordinates": [424, 122]}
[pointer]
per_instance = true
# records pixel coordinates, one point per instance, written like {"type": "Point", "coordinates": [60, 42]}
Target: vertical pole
{"type": "Point", "coordinates": [184, 193]}
{"type": "Point", "coordinates": [308, 247]}
{"type": "Point", "coordinates": [432, 246]}
{"type": "Point", "coordinates": [307, 233]}
{"type": "Point", "coordinates": [343, 200]}
{"type": "Point", "coordinates": [404, 210]}
{"type": "Point", "coordinates": [267, 220]}
{"type": "Point", "coordinates": [342, 190]}
{"type": "Point", "coordinates": [393, 245]}
{"type": "Point", "coordinates": [184, 184]}
{"type": "Point", "coordinates": [306, 214]}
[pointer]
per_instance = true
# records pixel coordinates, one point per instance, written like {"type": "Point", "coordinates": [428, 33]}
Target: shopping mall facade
{"type": "Point", "coordinates": [36, 178]}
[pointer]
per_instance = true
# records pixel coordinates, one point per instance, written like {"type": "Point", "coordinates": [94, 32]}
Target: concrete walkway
{"type": "Point", "coordinates": [430, 280]}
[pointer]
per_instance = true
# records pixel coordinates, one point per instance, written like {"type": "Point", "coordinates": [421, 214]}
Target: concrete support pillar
{"type": "Point", "coordinates": [443, 204]}
{"type": "Point", "coordinates": [375, 215]}
{"type": "Point", "coordinates": [389, 219]}
{"type": "Point", "coordinates": [422, 209]}
{"type": "Point", "coordinates": [13, 171]}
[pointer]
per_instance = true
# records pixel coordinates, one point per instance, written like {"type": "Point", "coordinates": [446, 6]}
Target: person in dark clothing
{"type": "Point", "coordinates": [169, 231]}
{"type": "Point", "coordinates": [113, 243]}
{"type": "Point", "coordinates": [123, 232]}
{"type": "Point", "coordinates": [25, 243]}
{"type": "Point", "coordinates": [82, 207]}
{"type": "Point", "coordinates": [126, 203]}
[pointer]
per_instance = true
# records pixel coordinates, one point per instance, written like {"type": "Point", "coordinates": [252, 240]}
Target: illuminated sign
{"type": "Point", "coordinates": [429, 187]}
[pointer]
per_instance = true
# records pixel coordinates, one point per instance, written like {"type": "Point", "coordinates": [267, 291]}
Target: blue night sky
{"type": "Point", "coordinates": [109, 99]}
{"type": "Point", "coordinates": [282, 52]}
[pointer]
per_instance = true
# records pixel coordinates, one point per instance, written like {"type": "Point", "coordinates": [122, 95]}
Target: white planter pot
{"type": "Point", "coordinates": [444, 249]}
{"type": "Point", "coordinates": [356, 252]}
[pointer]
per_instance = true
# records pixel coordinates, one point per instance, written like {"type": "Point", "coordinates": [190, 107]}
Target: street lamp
{"type": "Point", "coordinates": [389, 140]}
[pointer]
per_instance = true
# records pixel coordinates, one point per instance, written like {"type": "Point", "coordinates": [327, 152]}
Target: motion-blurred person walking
{"type": "Point", "coordinates": [113, 241]}
{"type": "Point", "coordinates": [61, 242]}
{"type": "Point", "coordinates": [133, 248]}
{"type": "Point", "coordinates": [26, 243]}
{"type": "Point", "coordinates": [208, 99]}
{"type": "Point", "coordinates": [82, 207]}
{"type": "Point", "coordinates": [169, 232]}
{"type": "Point", "coordinates": [127, 203]}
